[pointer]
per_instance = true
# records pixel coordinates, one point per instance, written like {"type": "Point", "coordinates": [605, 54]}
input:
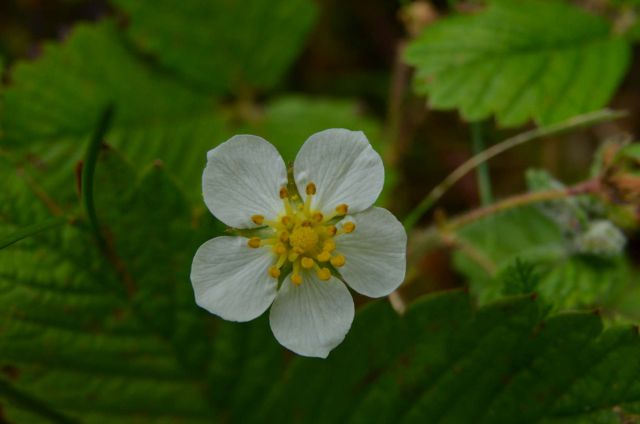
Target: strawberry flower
{"type": "Point", "coordinates": [300, 239]}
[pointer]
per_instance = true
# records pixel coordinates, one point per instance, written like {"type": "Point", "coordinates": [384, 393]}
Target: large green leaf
{"type": "Point", "coordinates": [56, 100]}
{"type": "Point", "coordinates": [223, 45]}
{"type": "Point", "coordinates": [446, 362]}
{"type": "Point", "coordinates": [114, 335]}
{"type": "Point", "coordinates": [520, 60]}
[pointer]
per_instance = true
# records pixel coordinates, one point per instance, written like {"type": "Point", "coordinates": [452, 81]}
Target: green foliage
{"type": "Point", "coordinates": [200, 41]}
{"type": "Point", "coordinates": [520, 60]}
{"type": "Point", "coordinates": [114, 335]}
{"type": "Point", "coordinates": [568, 277]}
{"type": "Point", "coordinates": [445, 361]}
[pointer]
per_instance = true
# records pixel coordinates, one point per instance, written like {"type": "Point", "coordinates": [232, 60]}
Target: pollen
{"type": "Point", "coordinates": [324, 256]}
{"type": "Point", "coordinates": [254, 242]}
{"type": "Point", "coordinates": [311, 189]}
{"type": "Point", "coordinates": [304, 238]}
{"type": "Point", "coordinates": [280, 249]}
{"type": "Point", "coordinates": [348, 227]}
{"type": "Point", "coordinates": [307, 263]}
{"type": "Point", "coordinates": [324, 274]}
{"type": "Point", "coordinates": [257, 219]}
{"type": "Point", "coordinates": [296, 279]}
{"type": "Point", "coordinates": [274, 272]}
{"type": "Point", "coordinates": [338, 261]}
{"type": "Point", "coordinates": [284, 193]}
{"type": "Point", "coordinates": [342, 209]}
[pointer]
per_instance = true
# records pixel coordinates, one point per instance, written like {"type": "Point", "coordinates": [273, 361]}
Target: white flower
{"type": "Point", "coordinates": [304, 238]}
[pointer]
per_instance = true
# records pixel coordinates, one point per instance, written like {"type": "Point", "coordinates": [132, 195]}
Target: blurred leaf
{"type": "Point", "coordinates": [567, 278]}
{"type": "Point", "coordinates": [288, 122]}
{"type": "Point", "coordinates": [56, 100]}
{"type": "Point", "coordinates": [530, 59]}
{"type": "Point", "coordinates": [115, 335]}
{"type": "Point", "coordinates": [223, 45]}
{"type": "Point", "coordinates": [433, 367]}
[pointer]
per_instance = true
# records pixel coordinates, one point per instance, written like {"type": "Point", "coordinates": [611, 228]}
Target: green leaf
{"type": "Point", "coordinates": [224, 45]}
{"type": "Point", "coordinates": [56, 100]}
{"type": "Point", "coordinates": [567, 278]}
{"type": "Point", "coordinates": [434, 367]}
{"type": "Point", "coordinates": [531, 59]}
{"type": "Point", "coordinates": [114, 335]}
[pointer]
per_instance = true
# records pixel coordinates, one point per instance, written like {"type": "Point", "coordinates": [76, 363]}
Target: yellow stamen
{"type": "Point", "coordinates": [317, 217]}
{"type": "Point", "coordinates": [284, 237]}
{"type": "Point", "coordinates": [257, 219]}
{"type": "Point", "coordinates": [324, 256]}
{"type": "Point", "coordinates": [284, 193]}
{"type": "Point", "coordinates": [254, 242]}
{"type": "Point", "coordinates": [329, 245]}
{"type": "Point", "coordinates": [286, 221]}
{"type": "Point", "coordinates": [307, 263]}
{"type": "Point", "coordinates": [274, 272]}
{"type": "Point", "coordinates": [342, 209]}
{"type": "Point", "coordinates": [324, 274]}
{"type": "Point", "coordinates": [338, 261]}
{"type": "Point", "coordinates": [332, 230]}
{"type": "Point", "coordinates": [295, 275]}
{"type": "Point", "coordinates": [348, 227]}
{"type": "Point", "coordinates": [280, 249]}
{"type": "Point", "coordinates": [311, 189]}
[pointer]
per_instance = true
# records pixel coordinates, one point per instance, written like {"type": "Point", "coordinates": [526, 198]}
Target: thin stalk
{"type": "Point", "coordinates": [482, 171]}
{"type": "Point", "coordinates": [89, 168]}
{"type": "Point", "coordinates": [571, 124]}
{"type": "Point", "coordinates": [589, 186]}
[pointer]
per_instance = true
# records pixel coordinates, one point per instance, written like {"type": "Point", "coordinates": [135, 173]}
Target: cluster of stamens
{"type": "Point", "coordinates": [302, 237]}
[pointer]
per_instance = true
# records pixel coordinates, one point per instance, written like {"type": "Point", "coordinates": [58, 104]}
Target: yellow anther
{"type": "Point", "coordinates": [284, 237]}
{"type": "Point", "coordinates": [329, 245]}
{"type": "Point", "coordinates": [332, 230]}
{"type": "Point", "coordinates": [306, 223]}
{"type": "Point", "coordinates": [274, 272]}
{"type": "Point", "coordinates": [348, 227]}
{"type": "Point", "coordinates": [303, 239]}
{"type": "Point", "coordinates": [338, 261]}
{"type": "Point", "coordinates": [342, 209]}
{"type": "Point", "coordinates": [296, 279]}
{"type": "Point", "coordinates": [299, 250]}
{"type": "Point", "coordinates": [307, 263]}
{"type": "Point", "coordinates": [286, 221]}
{"type": "Point", "coordinates": [324, 274]}
{"type": "Point", "coordinates": [324, 256]}
{"type": "Point", "coordinates": [284, 193]}
{"type": "Point", "coordinates": [317, 217]}
{"type": "Point", "coordinates": [311, 189]}
{"type": "Point", "coordinates": [254, 242]}
{"type": "Point", "coordinates": [257, 219]}
{"type": "Point", "coordinates": [280, 249]}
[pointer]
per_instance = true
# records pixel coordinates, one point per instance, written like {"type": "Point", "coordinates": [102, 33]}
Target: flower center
{"type": "Point", "coordinates": [303, 238]}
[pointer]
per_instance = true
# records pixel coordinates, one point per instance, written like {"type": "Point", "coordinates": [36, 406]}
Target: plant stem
{"type": "Point", "coordinates": [589, 186]}
{"type": "Point", "coordinates": [570, 124]}
{"type": "Point", "coordinates": [482, 171]}
{"type": "Point", "coordinates": [89, 168]}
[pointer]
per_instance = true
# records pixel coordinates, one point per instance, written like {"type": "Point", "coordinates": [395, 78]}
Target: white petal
{"type": "Point", "coordinates": [242, 178]}
{"type": "Point", "coordinates": [375, 253]}
{"type": "Point", "coordinates": [312, 318]}
{"type": "Point", "coordinates": [230, 279]}
{"type": "Point", "coordinates": [343, 166]}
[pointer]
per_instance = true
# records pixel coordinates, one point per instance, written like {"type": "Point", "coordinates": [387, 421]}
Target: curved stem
{"type": "Point", "coordinates": [495, 150]}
